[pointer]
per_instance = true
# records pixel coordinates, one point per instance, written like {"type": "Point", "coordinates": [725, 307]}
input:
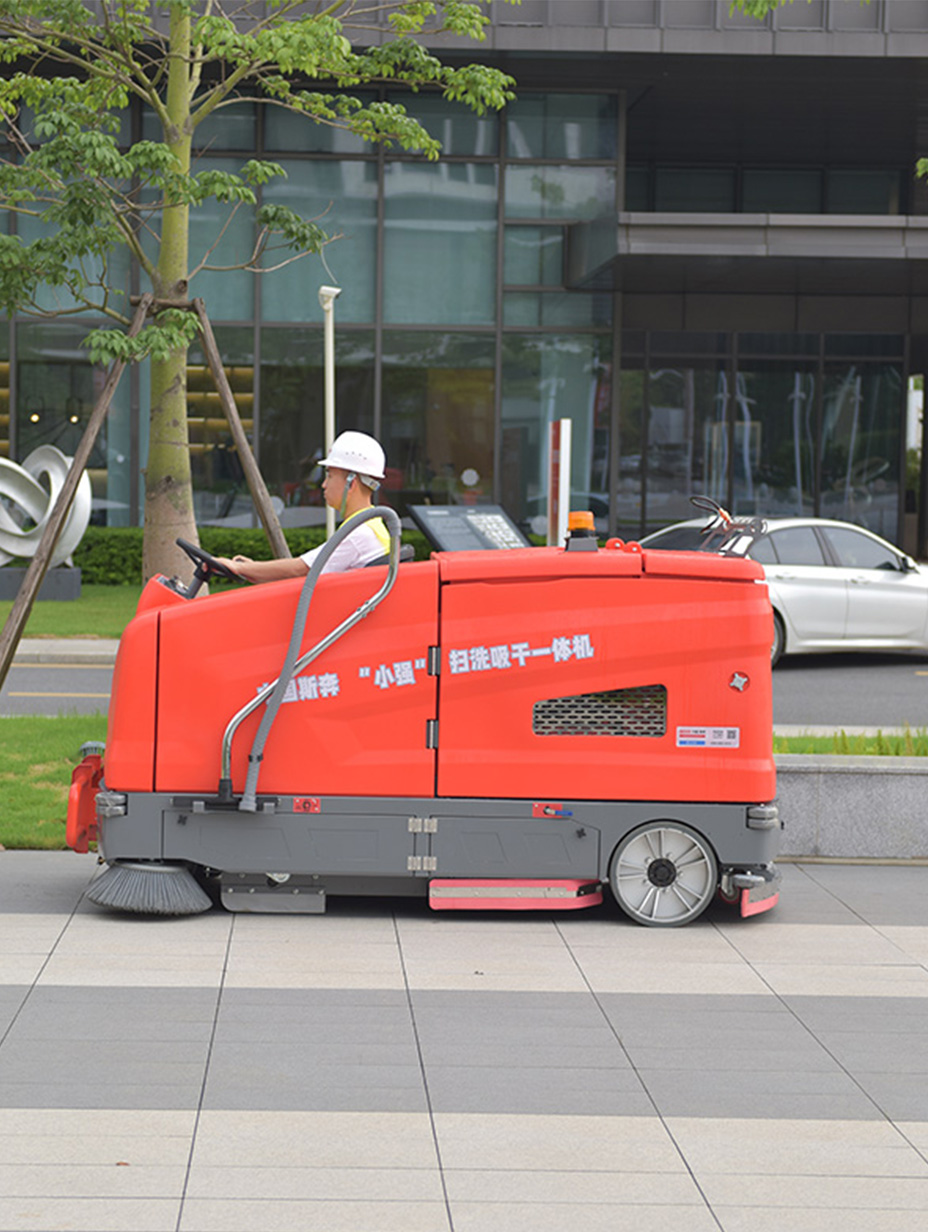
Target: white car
{"type": "Point", "coordinates": [833, 586]}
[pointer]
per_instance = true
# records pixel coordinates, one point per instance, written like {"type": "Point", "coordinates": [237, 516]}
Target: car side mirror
{"type": "Point", "coordinates": [909, 565]}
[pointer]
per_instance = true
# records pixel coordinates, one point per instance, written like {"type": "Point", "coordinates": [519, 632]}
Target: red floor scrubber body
{"type": "Point", "coordinates": [500, 729]}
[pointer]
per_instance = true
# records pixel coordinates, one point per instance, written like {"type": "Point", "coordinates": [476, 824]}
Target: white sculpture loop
{"type": "Point", "coordinates": [24, 501]}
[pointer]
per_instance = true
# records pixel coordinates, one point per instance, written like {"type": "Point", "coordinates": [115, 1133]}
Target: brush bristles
{"type": "Point", "coordinates": [158, 889]}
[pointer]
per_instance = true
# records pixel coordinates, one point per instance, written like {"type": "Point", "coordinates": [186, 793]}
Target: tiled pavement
{"type": "Point", "coordinates": [384, 1068]}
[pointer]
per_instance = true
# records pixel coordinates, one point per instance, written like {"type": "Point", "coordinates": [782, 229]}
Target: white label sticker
{"type": "Point", "coordinates": [708, 737]}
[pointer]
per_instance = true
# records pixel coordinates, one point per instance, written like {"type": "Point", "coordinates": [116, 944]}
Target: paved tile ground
{"type": "Point", "coordinates": [382, 1068]}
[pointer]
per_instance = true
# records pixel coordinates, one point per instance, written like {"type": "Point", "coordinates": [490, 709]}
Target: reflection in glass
{"type": "Point", "coordinates": [631, 422]}
{"type": "Point", "coordinates": [290, 131]}
{"type": "Point", "coordinates": [439, 243]}
{"type": "Point", "coordinates": [533, 256]}
{"type": "Point", "coordinates": [557, 309]}
{"type": "Point", "coordinates": [342, 198]}
{"type": "Point", "coordinates": [860, 445]}
{"type": "Point", "coordinates": [292, 430]}
{"type": "Point", "coordinates": [688, 445]}
{"type": "Point", "coordinates": [460, 130]}
{"type": "Point", "coordinates": [220, 493]}
{"type": "Point", "coordinates": [438, 392]}
{"type": "Point", "coordinates": [57, 389]}
{"type": "Point", "coordinates": [548, 377]}
{"type": "Point", "coordinates": [221, 238]}
{"type": "Point", "coordinates": [569, 126]}
{"type": "Point", "coordinates": [774, 409]}
{"type": "Point", "coordinates": [559, 192]}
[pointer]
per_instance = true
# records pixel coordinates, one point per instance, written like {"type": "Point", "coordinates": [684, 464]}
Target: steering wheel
{"type": "Point", "coordinates": [206, 567]}
{"type": "Point", "coordinates": [708, 505]}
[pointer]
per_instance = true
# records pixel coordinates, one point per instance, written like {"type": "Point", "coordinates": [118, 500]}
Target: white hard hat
{"type": "Point", "coordinates": [357, 452]}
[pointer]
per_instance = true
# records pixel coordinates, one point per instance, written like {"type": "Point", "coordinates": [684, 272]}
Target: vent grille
{"type": "Point", "coordinates": [619, 712]}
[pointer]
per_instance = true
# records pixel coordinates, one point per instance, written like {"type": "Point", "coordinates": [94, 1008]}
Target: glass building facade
{"type": "Point", "coordinates": [458, 340]}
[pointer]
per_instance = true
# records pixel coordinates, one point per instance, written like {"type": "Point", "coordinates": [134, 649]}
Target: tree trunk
{"type": "Point", "coordinates": [168, 483]}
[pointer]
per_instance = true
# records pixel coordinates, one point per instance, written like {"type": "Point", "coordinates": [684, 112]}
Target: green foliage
{"type": "Point", "coordinates": [74, 66]}
{"type": "Point", "coordinates": [112, 556]}
{"type": "Point", "coordinates": [70, 175]}
{"type": "Point", "coordinates": [760, 8]}
{"type": "Point", "coordinates": [171, 331]}
{"type": "Point", "coordinates": [299, 234]}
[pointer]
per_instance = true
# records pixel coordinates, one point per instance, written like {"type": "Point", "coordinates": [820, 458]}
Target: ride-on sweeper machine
{"type": "Point", "coordinates": [497, 729]}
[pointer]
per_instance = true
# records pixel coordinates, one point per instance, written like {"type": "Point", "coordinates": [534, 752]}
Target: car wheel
{"type": "Point", "coordinates": [779, 640]}
{"type": "Point", "coordinates": [663, 874]}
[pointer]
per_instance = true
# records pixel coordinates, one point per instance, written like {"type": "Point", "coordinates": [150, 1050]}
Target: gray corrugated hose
{"type": "Point", "coordinates": [293, 662]}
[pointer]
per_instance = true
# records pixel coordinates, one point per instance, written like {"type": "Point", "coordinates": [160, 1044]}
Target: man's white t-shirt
{"type": "Point", "coordinates": [370, 540]}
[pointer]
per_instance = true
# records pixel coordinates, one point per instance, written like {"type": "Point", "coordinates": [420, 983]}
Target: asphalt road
{"type": "Point", "coordinates": [852, 690]}
{"type": "Point", "coordinates": [65, 688]}
{"type": "Point", "coordinates": [808, 690]}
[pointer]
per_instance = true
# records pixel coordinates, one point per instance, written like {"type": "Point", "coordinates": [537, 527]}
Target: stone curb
{"type": "Point", "coordinates": [96, 651]}
{"type": "Point", "coordinates": [853, 807]}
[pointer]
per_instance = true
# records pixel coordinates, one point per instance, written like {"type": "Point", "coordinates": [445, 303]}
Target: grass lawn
{"type": "Point", "coordinates": [909, 744]}
{"type": "Point", "coordinates": [101, 611]}
{"type": "Point", "coordinates": [37, 756]}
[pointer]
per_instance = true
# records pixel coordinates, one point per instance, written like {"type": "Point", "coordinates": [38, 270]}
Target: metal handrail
{"type": "Point", "coordinates": [293, 663]}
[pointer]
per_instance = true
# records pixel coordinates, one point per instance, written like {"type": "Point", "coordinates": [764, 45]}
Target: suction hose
{"type": "Point", "coordinates": [293, 662]}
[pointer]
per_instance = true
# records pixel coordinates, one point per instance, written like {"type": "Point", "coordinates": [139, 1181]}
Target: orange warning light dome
{"type": "Point", "coordinates": [580, 520]}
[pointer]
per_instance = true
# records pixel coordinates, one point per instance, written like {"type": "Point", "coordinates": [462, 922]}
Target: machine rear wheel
{"type": "Point", "coordinates": [663, 874]}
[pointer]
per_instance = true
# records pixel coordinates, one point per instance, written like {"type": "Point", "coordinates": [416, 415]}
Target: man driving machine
{"type": "Point", "coordinates": [354, 468]}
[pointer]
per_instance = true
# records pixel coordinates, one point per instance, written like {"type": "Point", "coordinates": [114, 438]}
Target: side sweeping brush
{"type": "Point", "coordinates": [149, 889]}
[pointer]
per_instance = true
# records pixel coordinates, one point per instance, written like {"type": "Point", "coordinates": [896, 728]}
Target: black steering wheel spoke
{"type": "Point", "coordinates": [205, 567]}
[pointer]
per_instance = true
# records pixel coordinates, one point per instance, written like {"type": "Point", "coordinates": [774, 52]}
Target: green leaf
{"type": "Point", "coordinates": [171, 331]}
{"type": "Point", "coordinates": [298, 233]}
{"type": "Point", "coordinates": [258, 172]}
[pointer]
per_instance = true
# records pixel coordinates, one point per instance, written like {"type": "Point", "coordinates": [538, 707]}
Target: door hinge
{"type": "Point", "coordinates": [434, 660]}
{"type": "Point", "coordinates": [431, 733]}
{"type": "Point", "coordinates": [421, 864]}
{"type": "Point", "coordinates": [423, 825]}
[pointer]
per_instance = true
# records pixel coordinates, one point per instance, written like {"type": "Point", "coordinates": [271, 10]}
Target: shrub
{"type": "Point", "coordinates": [112, 555]}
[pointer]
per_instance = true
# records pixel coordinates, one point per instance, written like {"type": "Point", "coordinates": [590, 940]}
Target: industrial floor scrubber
{"type": "Point", "coordinates": [515, 729]}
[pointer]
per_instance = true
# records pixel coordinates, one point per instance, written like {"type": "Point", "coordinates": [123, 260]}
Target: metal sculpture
{"type": "Point", "coordinates": [26, 505]}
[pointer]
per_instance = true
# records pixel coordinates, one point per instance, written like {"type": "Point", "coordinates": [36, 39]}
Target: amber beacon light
{"type": "Point", "coordinates": [581, 530]}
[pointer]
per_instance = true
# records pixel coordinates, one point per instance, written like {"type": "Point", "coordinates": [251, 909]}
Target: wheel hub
{"type": "Point", "coordinates": [662, 872]}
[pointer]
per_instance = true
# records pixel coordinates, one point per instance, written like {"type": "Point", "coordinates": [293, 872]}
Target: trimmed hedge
{"type": "Point", "coordinates": [112, 555]}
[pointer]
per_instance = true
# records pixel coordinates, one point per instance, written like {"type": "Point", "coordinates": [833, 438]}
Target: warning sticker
{"type": "Point", "coordinates": [708, 737]}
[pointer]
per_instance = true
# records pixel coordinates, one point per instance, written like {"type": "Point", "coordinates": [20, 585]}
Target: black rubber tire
{"type": "Point", "coordinates": [779, 640]}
